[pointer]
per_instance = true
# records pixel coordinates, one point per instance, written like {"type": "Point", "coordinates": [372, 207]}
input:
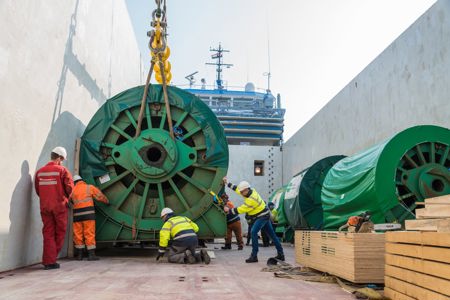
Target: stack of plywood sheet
{"type": "Point", "coordinates": [357, 257]}
{"type": "Point", "coordinates": [434, 217]}
{"type": "Point", "coordinates": [417, 265]}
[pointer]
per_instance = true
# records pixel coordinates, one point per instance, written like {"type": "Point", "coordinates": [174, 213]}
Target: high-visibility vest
{"type": "Point", "coordinates": [82, 197]}
{"type": "Point", "coordinates": [176, 228]}
{"type": "Point", "coordinates": [253, 205]}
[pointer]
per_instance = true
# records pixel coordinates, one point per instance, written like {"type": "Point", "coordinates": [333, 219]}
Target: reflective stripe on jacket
{"type": "Point", "coordinates": [53, 184]}
{"type": "Point", "coordinates": [175, 228]}
{"type": "Point", "coordinates": [253, 205]}
{"type": "Point", "coordinates": [83, 203]}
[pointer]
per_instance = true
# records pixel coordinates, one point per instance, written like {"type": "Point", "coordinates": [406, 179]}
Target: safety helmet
{"type": "Point", "coordinates": [77, 178]}
{"type": "Point", "coordinates": [166, 211]}
{"type": "Point", "coordinates": [61, 151]}
{"type": "Point", "coordinates": [243, 185]}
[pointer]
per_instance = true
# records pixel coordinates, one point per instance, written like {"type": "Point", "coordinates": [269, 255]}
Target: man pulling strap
{"type": "Point", "coordinates": [255, 207]}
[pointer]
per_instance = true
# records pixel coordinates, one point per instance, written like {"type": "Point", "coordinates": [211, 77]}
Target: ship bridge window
{"type": "Point", "coordinates": [258, 168]}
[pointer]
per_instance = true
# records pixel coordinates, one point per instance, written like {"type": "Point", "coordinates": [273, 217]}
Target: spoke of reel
{"type": "Point", "coordinates": [110, 163]}
{"type": "Point", "coordinates": [444, 156]}
{"type": "Point", "coordinates": [127, 192]}
{"type": "Point", "coordinates": [119, 232]}
{"type": "Point", "coordinates": [147, 115]}
{"type": "Point", "coordinates": [181, 119]}
{"type": "Point", "coordinates": [163, 120]}
{"type": "Point", "coordinates": [200, 147]}
{"type": "Point", "coordinates": [114, 180]}
{"type": "Point", "coordinates": [191, 133]}
{"type": "Point", "coordinates": [432, 153]}
{"type": "Point", "coordinates": [410, 160]}
{"type": "Point", "coordinates": [179, 195]}
{"type": "Point", "coordinates": [193, 182]}
{"type": "Point", "coordinates": [108, 145]}
{"type": "Point", "coordinates": [121, 132]}
{"type": "Point", "coordinates": [132, 120]}
{"type": "Point", "coordinates": [204, 167]}
{"type": "Point", "coordinates": [161, 195]}
{"type": "Point", "coordinates": [143, 200]}
{"type": "Point", "coordinates": [420, 154]}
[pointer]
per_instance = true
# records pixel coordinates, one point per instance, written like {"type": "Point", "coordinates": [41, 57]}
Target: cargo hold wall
{"type": "Point", "coordinates": [406, 85]}
{"type": "Point", "coordinates": [59, 61]}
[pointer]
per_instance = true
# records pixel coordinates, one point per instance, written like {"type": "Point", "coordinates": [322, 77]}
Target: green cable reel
{"type": "Point", "coordinates": [389, 178]}
{"type": "Point", "coordinates": [142, 175]}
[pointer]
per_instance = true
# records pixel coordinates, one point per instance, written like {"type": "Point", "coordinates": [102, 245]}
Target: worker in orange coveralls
{"type": "Point", "coordinates": [82, 198]}
{"type": "Point", "coordinates": [53, 184]}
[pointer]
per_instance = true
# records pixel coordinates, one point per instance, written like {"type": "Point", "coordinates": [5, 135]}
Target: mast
{"type": "Point", "coordinates": [218, 57]}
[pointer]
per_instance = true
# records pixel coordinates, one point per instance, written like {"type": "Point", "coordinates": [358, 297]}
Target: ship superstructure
{"type": "Point", "coordinates": [249, 117]}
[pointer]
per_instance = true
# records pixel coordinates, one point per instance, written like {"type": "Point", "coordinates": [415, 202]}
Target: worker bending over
{"type": "Point", "coordinates": [256, 209]}
{"type": "Point", "coordinates": [82, 199]}
{"type": "Point", "coordinates": [181, 233]}
{"type": "Point", "coordinates": [233, 225]}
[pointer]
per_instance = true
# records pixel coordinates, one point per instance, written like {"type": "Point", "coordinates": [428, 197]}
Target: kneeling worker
{"type": "Point", "coordinates": [182, 232]}
{"type": "Point", "coordinates": [82, 198]}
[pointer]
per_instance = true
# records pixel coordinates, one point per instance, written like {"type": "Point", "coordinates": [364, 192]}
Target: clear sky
{"type": "Point", "coordinates": [316, 46]}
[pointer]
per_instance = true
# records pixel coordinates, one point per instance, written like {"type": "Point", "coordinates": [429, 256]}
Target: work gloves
{"type": "Point", "coordinates": [160, 254]}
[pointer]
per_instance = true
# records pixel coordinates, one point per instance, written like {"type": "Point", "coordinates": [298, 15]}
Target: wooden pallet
{"type": "Point", "coordinates": [417, 265]}
{"type": "Point", "coordinates": [357, 257]}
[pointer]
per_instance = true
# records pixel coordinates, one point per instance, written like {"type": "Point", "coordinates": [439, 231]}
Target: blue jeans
{"type": "Point", "coordinates": [264, 224]}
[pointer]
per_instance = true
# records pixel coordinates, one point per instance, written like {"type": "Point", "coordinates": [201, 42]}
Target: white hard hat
{"type": "Point", "coordinates": [243, 185]}
{"type": "Point", "coordinates": [166, 211]}
{"type": "Point", "coordinates": [61, 151]}
{"type": "Point", "coordinates": [77, 178]}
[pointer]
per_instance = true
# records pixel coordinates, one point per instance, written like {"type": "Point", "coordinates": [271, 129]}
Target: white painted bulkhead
{"type": "Point", "coordinates": [408, 84]}
{"type": "Point", "coordinates": [59, 61]}
{"type": "Point", "coordinates": [241, 167]}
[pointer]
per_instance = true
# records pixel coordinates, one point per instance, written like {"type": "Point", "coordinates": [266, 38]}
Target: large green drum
{"type": "Point", "coordinates": [141, 175]}
{"type": "Point", "coordinates": [388, 179]}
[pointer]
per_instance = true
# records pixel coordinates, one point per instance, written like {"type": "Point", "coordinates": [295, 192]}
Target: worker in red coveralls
{"type": "Point", "coordinates": [53, 184]}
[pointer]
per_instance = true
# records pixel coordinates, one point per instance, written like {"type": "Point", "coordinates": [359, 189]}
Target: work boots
{"type": "Point", "coordinates": [226, 247]}
{"type": "Point", "coordinates": [280, 256]}
{"type": "Point", "coordinates": [78, 254]}
{"type": "Point", "coordinates": [252, 259]}
{"type": "Point", "coordinates": [189, 258]}
{"type": "Point", "coordinates": [91, 255]}
{"type": "Point", "coordinates": [205, 256]}
{"type": "Point", "coordinates": [51, 266]}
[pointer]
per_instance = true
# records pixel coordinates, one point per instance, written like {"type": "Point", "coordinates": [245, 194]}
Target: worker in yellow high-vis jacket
{"type": "Point", "coordinates": [181, 232]}
{"type": "Point", "coordinates": [256, 209]}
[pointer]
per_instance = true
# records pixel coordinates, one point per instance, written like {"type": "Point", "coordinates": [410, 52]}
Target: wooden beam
{"type": "Point", "coordinates": [439, 225]}
{"type": "Point", "coordinates": [436, 284]}
{"type": "Point", "coordinates": [76, 171]}
{"type": "Point", "coordinates": [394, 286]}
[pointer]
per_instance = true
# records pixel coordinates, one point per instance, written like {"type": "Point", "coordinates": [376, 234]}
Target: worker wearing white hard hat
{"type": "Point", "coordinates": [183, 234]}
{"type": "Point", "coordinates": [256, 209]}
{"type": "Point", "coordinates": [54, 185]}
{"type": "Point", "coordinates": [82, 198]}
{"type": "Point", "coordinates": [60, 151]}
